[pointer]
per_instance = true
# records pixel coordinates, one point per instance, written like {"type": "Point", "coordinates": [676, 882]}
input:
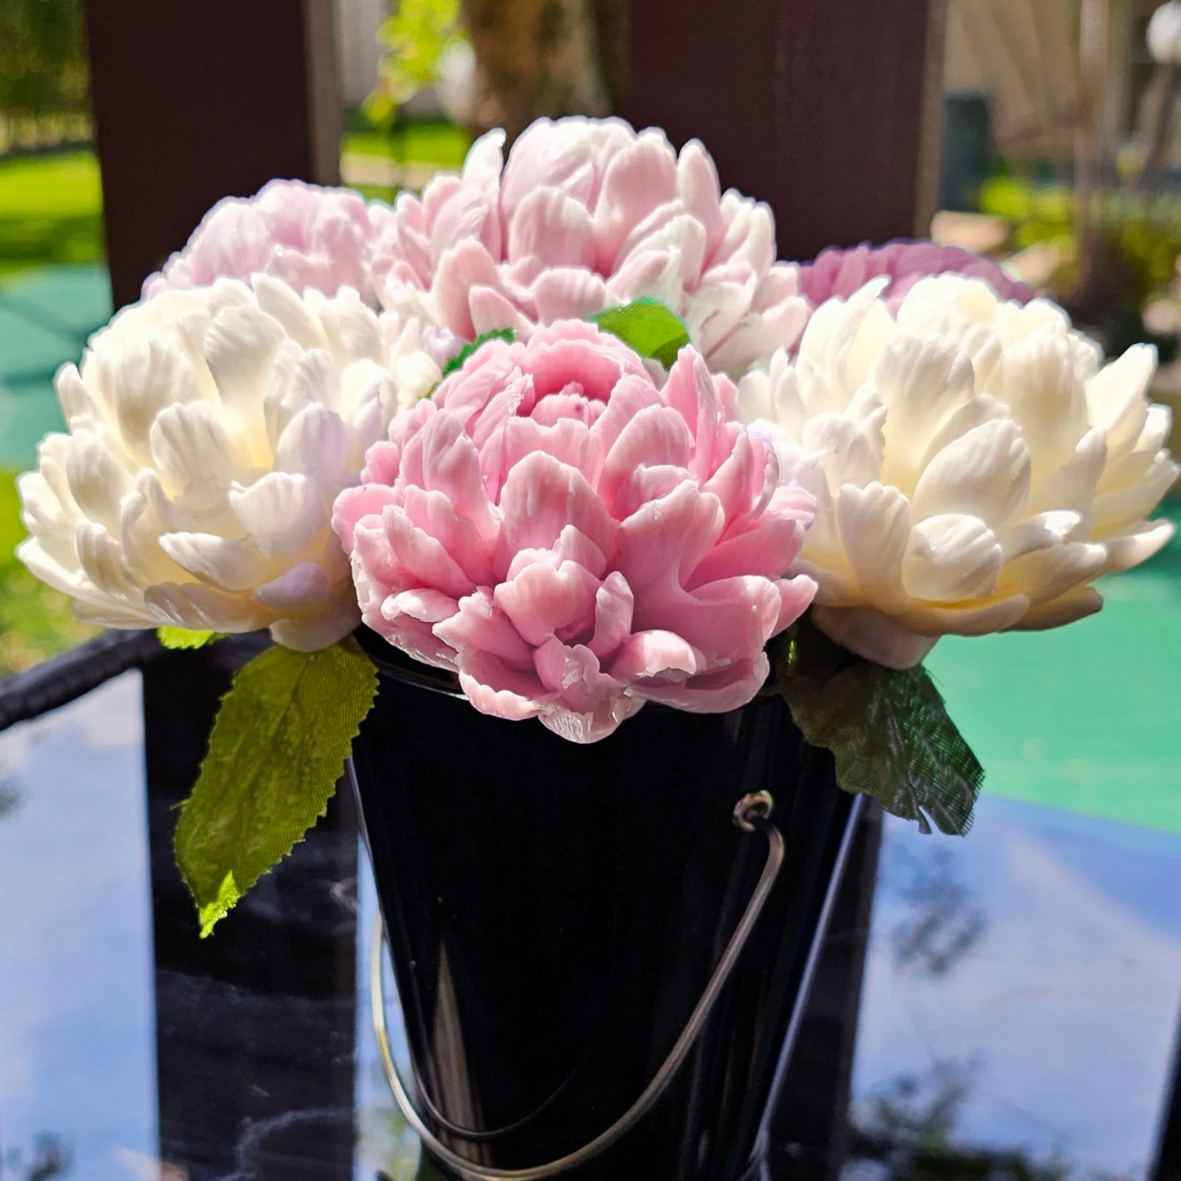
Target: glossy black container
{"type": "Point", "coordinates": [555, 912]}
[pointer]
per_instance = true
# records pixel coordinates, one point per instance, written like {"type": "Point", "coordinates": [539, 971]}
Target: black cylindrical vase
{"type": "Point", "coordinates": [555, 911]}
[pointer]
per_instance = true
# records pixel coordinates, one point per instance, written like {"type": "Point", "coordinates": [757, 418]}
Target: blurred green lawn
{"type": "Point", "coordinates": [50, 211]}
{"type": "Point", "coordinates": [51, 205]}
{"type": "Point", "coordinates": [441, 144]}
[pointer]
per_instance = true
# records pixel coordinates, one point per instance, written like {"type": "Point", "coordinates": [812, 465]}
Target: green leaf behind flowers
{"type": "Point", "coordinates": [648, 327]}
{"type": "Point", "coordinates": [892, 739]}
{"type": "Point", "coordinates": [182, 637]}
{"type": "Point", "coordinates": [457, 361]}
{"type": "Point", "coordinates": [277, 748]}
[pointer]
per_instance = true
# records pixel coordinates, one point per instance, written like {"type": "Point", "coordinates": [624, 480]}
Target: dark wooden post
{"type": "Point", "coordinates": [826, 109]}
{"type": "Point", "coordinates": [255, 1027]}
{"type": "Point", "coordinates": [193, 102]}
{"type": "Point", "coordinates": [829, 111]}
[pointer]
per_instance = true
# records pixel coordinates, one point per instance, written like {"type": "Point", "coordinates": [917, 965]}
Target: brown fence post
{"type": "Point", "coordinates": [255, 1027]}
{"type": "Point", "coordinates": [829, 111]}
{"type": "Point", "coordinates": [826, 109]}
{"type": "Point", "coordinates": [194, 101]}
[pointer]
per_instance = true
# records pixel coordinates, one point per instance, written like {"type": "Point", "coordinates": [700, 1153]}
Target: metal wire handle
{"type": "Point", "coordinates": [751, 812]}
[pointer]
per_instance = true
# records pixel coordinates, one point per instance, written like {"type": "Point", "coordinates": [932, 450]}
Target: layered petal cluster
{"type": "Point", "coordinates": [210, 431]}
{"type": "Point", "coordinates": [975, 463]}
{"type": "Point", "coordinates": [586, 215]}
{"type": "Point", "coordinates": [837, 273]}
{"type": "Point", "coordinates": [572, 540]}
{"type": "Point", "coordinates": [312, 238]}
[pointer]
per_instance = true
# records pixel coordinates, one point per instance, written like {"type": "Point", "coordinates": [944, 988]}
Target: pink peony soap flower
{"type": "Point", "coordinates": [311, 238]}
{"type": "Point", "coordinates": [841, 273]}
{"type": "Point", "coordinates": [587, 215]}
{"type": "Point", "coordinates": [572, 540]}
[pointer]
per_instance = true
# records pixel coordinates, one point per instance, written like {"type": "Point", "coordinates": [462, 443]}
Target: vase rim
{"type": "Point", "coordinates": [392, 662]}
{"type": "Point", "coordinates": [397, 665]}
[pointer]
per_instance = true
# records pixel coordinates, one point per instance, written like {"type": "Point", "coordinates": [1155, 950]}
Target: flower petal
{"type": "Point", "coordinates": [984, 473]}
{"type": "Point", "coordinates": [282, 513]}
{"type": "Point", "coordinates": [951, 557]}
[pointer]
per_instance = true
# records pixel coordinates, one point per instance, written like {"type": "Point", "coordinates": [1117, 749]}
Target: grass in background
{"type": "Point", "coordinates": [379, 163]}
{"type": "Point", "coordinates": [50, 214]}
{"type": "Point", "coordinates": [441, 145]}
{"type": "Point", "coordinates": [35, 621]}
{"type": "Point", "coordinates": [51, 205]}
{"type": "Point", "coordinates": [50, 211]}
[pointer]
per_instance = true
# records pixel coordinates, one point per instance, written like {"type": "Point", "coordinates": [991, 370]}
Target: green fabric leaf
{"type": "Point", "coordinates": [648, 327]}
{"type": "Point", "coordinates": [457, 361]}
{"type": "Point", "coordinates": [182, 637]}
{"type": "Point", "coordinates": [892, 739]}
{"type": "Point", "coordinates": [280, 740]}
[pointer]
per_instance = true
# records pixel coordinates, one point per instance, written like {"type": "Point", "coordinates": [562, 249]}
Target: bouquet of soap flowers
{"type": "Point", "coordinates": [566, 427]}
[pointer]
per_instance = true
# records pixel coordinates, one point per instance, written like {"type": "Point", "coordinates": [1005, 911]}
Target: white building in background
{"type": "Point", "coordinates": [1024, 55]}
{"type": "Point", "coordinates": [357, 22]}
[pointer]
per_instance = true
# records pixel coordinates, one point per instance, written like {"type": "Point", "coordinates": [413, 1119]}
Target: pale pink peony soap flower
{"type": "Point", "coordinates": [588, 214]}
{"type": "Point", "coordinates": [840, 273]}
{"type": "Point", "coordinates": [311, 238]}
{"type": "Point", "coordinates": [574, 541]}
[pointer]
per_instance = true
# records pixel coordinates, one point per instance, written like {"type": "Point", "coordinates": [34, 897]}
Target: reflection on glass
{"type": "Point", "coordinates": [9, 794]}
{"type": "Point", "coordinates": [47, 1158]}
{"type": "Point", "coordinates": [1021, 998]}
{"type": "Point", "coordinates": [386, 1148]}
{"type": "Point", "coordinates": [943, 922]}
{"type": "Point", "coordinates": [77, 1058]}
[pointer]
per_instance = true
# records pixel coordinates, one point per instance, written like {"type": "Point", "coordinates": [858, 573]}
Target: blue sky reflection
{"type": "Point", "coordinates": [77, 1027]}
{"type": "Point", "coordinates": [1063, 1010]}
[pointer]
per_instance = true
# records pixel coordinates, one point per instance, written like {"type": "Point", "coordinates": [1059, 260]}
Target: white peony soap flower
{"type": "Point", "coordinates": [974, 465]}
{"type": "Point", "coordinates": [210, 430]}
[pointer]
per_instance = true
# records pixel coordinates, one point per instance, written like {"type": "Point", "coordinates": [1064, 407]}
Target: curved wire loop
{"type": "Point", "coordinates": [750, 813]}
{"type": "Point", "coordinates": [475, 1135]}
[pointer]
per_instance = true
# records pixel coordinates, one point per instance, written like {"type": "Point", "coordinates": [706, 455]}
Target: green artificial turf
{"type": "Point", "coordinates": [1086, 717]}
{"type": "Point", "coordinates": [46, 315]}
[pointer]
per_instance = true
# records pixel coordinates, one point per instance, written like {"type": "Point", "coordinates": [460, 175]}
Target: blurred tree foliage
{"type": "Point", "coordinates": [909, 1132]}
{"type": "Point", "coordinates": [531, 58]}
{"type": "Point", "coordinates": [1133, 244]}
{"type": "Point", "coordinates": [43, 69]}
{"type": "Point", "coordinates": [416, 36]}
{"type": "Point", "coordinates": [1147, 228]}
